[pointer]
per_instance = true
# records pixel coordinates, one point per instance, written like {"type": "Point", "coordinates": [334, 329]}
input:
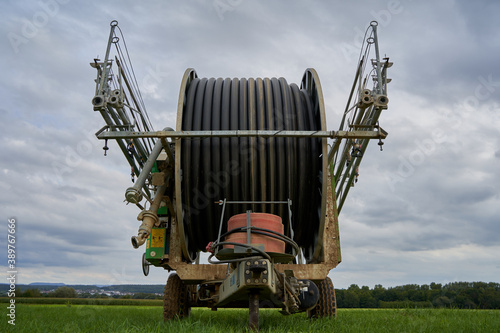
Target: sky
{"type": "Point", "coordinates": [426, 209]}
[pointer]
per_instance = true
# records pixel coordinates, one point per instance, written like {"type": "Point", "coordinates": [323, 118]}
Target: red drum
{"type": "Point", "coordinates": [259, 220]}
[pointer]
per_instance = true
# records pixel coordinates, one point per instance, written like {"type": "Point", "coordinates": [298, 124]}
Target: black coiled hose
{"type": "Point", "coordinates": [250, 169]}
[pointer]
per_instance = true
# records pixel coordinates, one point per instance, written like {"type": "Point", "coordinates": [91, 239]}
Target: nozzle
{"type": "Point", "coordinates": [98, 102]}
{"type": "Point", "coordinates": [137, 241]}
{"type": "Point", "coordinates": [133, 196]}
{"type": "Point", "coordinates": [381, 100]}
{"type": "Point", "coordinates": [149, 220]}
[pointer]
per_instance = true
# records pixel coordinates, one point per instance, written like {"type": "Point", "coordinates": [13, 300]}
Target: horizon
{"type": "Point", "coordinates": [159, 284]}
{"type": "Point", "coordinates": [425, 209]}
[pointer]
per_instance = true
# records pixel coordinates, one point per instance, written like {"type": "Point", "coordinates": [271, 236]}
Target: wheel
{"type": "Point", "coordinates": [266, 304]}
{"type": "Point", "coordinates": [176, 302]}
{"type": "Point", "coordinates": [327, 303]}
{"type": "Point", "coordinates": [145, 265]}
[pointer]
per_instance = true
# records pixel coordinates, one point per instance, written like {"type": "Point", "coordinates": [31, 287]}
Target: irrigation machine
{"type": "Point", "coordinates": [250, 175]}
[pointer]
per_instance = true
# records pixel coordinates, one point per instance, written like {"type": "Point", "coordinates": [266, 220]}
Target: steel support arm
{"type": "Point", "coordinates": [242, 133]}
{"type": "Point", "coordinates": [134, 194]}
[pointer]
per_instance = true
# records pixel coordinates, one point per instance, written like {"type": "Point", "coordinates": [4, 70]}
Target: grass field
{"type": "Point", "coordinates": [95, 318]}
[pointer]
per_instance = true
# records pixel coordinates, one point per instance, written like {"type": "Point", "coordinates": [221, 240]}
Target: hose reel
{"type": "Point", "coordinates": [250, 169]}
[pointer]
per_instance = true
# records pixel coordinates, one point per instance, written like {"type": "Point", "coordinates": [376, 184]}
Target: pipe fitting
{"type": "Point", "coordinates": [149, 220]}
{"type": "Point", "coordinates": [366, 92]}
{"type": "Point", "coordinates": [133, 195]}
{"type": "Point", "coordinates": [381, 100]}
{"type": "Point", "coordinates": [98, 102]}
{"type": "Point", "coordinates": [365, 99]}
{"type": "Point", "coordinates": [116, 99]}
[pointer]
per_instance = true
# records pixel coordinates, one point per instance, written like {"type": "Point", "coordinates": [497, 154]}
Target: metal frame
{"type": "Point", "coordinates": [330, 253]}
{"type": "Point", "coordinates": [102, 134]}
{"type": "Point", "coordinates": [142, 147]}
{"type": "Point", "coordinates": [337, 176]}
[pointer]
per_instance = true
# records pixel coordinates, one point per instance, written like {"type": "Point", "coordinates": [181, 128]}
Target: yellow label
{"type": "Point", "coordinates": [157, 237]}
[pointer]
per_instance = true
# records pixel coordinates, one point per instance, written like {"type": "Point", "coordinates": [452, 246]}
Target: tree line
{"type": "Point", "coordinates": [461, 295]}
{"type": "Point", "coordinates": [70, 292]}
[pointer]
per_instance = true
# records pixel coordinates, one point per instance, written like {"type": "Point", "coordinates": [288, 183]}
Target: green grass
{"type": "Point", "coordinates": [94, 318]}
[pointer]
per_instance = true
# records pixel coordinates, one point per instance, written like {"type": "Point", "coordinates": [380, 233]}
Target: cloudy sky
{"type": "Point", "coordinates": [426, 209]}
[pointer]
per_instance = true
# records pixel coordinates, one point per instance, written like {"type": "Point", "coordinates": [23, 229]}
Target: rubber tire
{"type": "Point", "coordinates": [327, 303]}
{"type": "Point", "coordinates": [176, 302]}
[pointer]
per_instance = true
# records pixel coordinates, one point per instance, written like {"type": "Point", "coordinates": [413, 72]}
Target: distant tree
{"type": "Point", "coordinates": [31, 293]}
{"type": "Point", "coordinates": [465, 295]}
{"type": "Point", "coordinates": [367, 301]}
{"type": "Point", "coordinates": [378, 293]}
{"type": "Point", "coordinates": [64, 292]}
{"type": "Point", "coordinates": [351, 299]}
{"type": "Point", "coordinates": [353, 287]}
{"type": "Point", "coordinates": [144, 296]}
{"type": "Point", "coordinates": [392, 294]}
{"type": "Point", "coordinates": [490, 298]}
{"type": "Point", "coordinates": [140, 296]}
{"type": "Point", "coordinates": [417, 296]}
{"type": "Point", "coordinates": [464, 302]}
{"type": "Point", "coordinates": [436, 286]}
{"type": "Point", "coordinates": [441, 302]}
{"type": "Point", "coordinates": [339, 295]}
